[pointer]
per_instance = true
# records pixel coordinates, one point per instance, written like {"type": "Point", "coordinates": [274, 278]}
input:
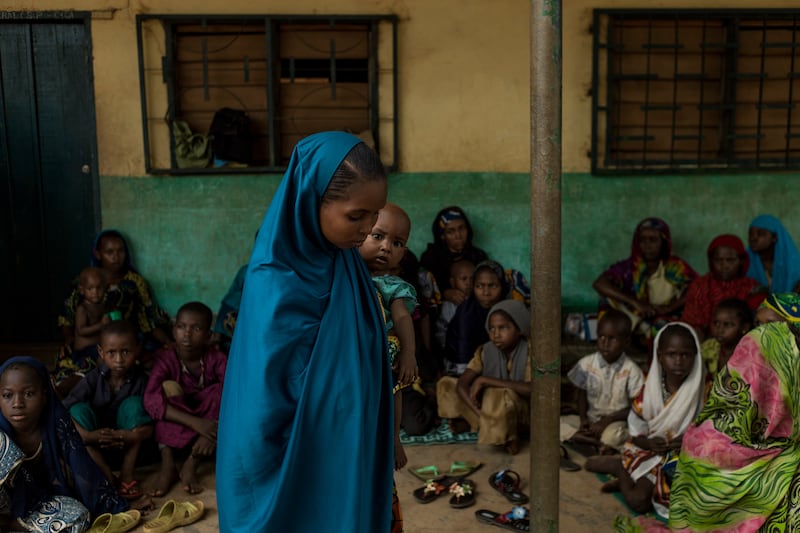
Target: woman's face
{"type": "Point", "coordinates": [111, 254]}
{"type": "Point", "coordinates": [455, 235]}
{"type": "Point", "coordinates": [650, 243]}
{"type": "Point", "coordinates": [346, 223]}
{"type": "Point", "coordinates": [760, 239]}
{"type": "Point", "coordinates": [725, 263]}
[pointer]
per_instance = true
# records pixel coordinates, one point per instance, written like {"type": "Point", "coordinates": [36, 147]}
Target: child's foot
{"type": "Point", "coordinates": [188, 476]}
{"type": "Point", "coordinates": [512, 447]}
{"type": "Point", "coordinates": [166, 478]}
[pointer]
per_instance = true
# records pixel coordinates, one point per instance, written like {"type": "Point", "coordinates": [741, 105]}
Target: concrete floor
{"type": "Point", "coordinates": [582, 506]}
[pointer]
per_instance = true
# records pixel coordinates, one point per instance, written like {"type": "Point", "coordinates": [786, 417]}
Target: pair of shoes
{"type": "Point", "coordinates": [457, 469]}
{"type": "Point", "coordinates": [116, 523]}
{"type": "Point", "coordinates": [174, 514]}
{"type": "Point", "coordinates": [568, 464]}
{"type": "Point", "coordinates": [462, 490]}
{"type": "Point", "coordinates": [518, 519]}
{"type": "Point", "coordinates": [130, 490]}
{"type": "Point", "coordinates": [506, 482]}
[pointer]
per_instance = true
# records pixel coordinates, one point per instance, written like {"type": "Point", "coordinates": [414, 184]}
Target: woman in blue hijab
{"type": "Point", "coordinates": [774, 259]}
{"type": "Point", "coordinates": [305, 428]}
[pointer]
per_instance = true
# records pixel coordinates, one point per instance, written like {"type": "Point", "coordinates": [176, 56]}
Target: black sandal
{"type": "Point", "coordinates": [506, 482]}
{"type": "Point", "coordinates": [518, 519]}
{"type": "Point", "coordinates": [463, 493]}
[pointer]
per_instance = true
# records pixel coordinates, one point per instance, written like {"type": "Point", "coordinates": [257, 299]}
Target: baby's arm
{"type": "Point", "coordinates": [82, 326]}
{"type": "Point", "coordinates": [406, 364]}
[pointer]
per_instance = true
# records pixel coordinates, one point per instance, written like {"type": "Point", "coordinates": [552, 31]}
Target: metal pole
{"type": "Point", "coordinates": [545, 261]}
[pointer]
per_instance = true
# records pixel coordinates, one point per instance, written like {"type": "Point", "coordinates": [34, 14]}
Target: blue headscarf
{"type": "Point", "coordinates": [72, 471]}
{"type": "Point", "coordinates": [786, 258]}
{"type": "Point", "coordinates": [306, 423]}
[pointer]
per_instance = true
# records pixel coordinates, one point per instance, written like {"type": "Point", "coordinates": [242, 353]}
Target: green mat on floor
{"type": "Point", "coordinates": [438, 435]}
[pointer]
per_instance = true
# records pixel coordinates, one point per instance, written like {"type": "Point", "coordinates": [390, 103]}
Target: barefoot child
{"type": "Point", "coordinates": [672, 397]}
{"type": "Point", "coordinates": [107, 407]}
{"type": "Point", "coordinates": [732, 320]}
{"type": "Point", "coordinates": [607, 382]}
{"type": "Point", "coordinates": [49, 482]}
{"type": "Point", "coordinates": [492, 394]}
{"type": "Point", "coordinates": [183, 395]}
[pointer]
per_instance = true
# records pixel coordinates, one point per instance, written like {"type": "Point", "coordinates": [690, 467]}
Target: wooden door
{"type": "Point", "coordinates": [49, 208]}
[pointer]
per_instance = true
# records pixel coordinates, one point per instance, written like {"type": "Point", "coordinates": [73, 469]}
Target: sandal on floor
{"type": "Point", "coordinates": [463, 493]}
{"type": "Point", "coordinates": [432, 489]}
{"type": "Point", "coordinates": [566, 463]}
{"type": "Point", "coordinates": [518, 519]}
{"type": "Point", "coordinates": [174, 514]}
{"type": "Point", "coordinates": [506, 482]}
{"type": "Point", "coordinates": [116, 523]}
{"type": "Point", "coordinates": [463, 468]}
{"type": "Point", "coordinates": [425, 473]}
{"type": "Point", "coordinates": [130, 490]}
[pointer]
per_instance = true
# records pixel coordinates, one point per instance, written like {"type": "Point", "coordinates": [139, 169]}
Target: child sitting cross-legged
{"type": "Point", "coordinates": [492, 394]}
{"type": "Point", "coordinates": [607, 382]}
{"type": "Point", "coordinates": [183, 395]}
{"type": "Point", "coordinates": [107, 408]}
{"type": "Point", "coordinates": [731, 321]}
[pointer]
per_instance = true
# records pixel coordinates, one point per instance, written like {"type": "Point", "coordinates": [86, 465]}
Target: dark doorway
{"type": "Point", "coordinates": [49, 206]}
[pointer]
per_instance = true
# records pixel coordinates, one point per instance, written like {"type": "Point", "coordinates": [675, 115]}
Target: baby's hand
{"type": "Point", "coordinates": [406, 369]}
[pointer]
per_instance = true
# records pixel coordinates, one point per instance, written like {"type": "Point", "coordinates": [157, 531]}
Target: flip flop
{"type": "Point", "coordinates": [432, 489]}
{"type": "Point", "coordinates": [130, 490]}
{"type": "Point", "coordinates": [425, 473]}
{"type": "Point", "coordinates": [116, 523]}
{"type": "Point", "coordinates": [463, 493]}
{"type": "Point", "coordinates": [463, 468]}
{"type": "Point", "coordinates": [568, 464]}
{"type": "Point", "coordinates": [506, 482]}
{"type": "Point", "coordinates": [174, 514]}
{"type": "Point", "coordinates": [518, 519]}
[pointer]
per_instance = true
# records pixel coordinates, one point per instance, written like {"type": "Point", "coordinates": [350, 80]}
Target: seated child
{"type": "Point", "coordinates": [466, 331]}
{"type": "Point", "coordinates": [106, 406]}
{"type": "Point", "coordinates": [183, 395]}
{"type": "Point", "coordinates": [732, 320]}
{"type": "Point", "coordinates": [48, 482]}
{"type": "Point", "coordinates": [492, 394]}
{"type": "Point", "coordinates": [90, 317]}
{"type": "Point", "coordinates": [607, 381]}
{"type": "Point", "coordinates": [672, 397]}
{"type": "Point", "coordinates": [460, 279]}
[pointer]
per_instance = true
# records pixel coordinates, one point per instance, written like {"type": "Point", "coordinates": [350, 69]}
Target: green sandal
{"type": "Point", "coordinates": [425, 473]}
{"type": "Point", "coordinates": [463, 468]}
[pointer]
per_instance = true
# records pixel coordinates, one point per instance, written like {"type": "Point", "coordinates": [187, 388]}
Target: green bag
{"type": "Point", "coordinates": [192, 150]}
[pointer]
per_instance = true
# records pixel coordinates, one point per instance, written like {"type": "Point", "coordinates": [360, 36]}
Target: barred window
{"type": "Point", "coordinates": [695, 90]}
{"type": "Point", "coordinates": [291, 75]}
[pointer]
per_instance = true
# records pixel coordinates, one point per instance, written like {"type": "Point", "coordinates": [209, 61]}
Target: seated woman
{"type": "Point", "coordinates": [774, 259]}
{"type": "Point", "coordinates": [649, 286]}
{"type": "Point", "coordinates": [673, 394]}
{"type": "Point", "coordinates": [738, 466]}
{"type": "Point", "coordinates": [727, 264]}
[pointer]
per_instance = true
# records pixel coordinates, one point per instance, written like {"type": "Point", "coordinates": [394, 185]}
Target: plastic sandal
{"type": "Point", "coordinates": [568, 464]}
{"type": "Point", "coordinates": [425, 473]}
{"type": "Point", "coordinates": [174, 514]}
{"type": "Point", "coordinates": [116, 523]}
{"type": "Point", "coordinates": [433, 489]}
{"type": "Point", "coordinates": [518, 519]}
{"type": "Point", "coordinates": [464, 468]}
{"type": "Point", "coordinates": [130, 490]}
{"type": "Point", "coordinates": [463, 494]}
{"type": "Point", "coordinates": [506, 482]}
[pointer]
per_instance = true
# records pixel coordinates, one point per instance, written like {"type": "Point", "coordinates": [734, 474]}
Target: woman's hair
{"type": "Point", "coordinates": [675, 330]}
{"type": "Point", "coordinates": [739, 308]}
{"type": "Point", "coordinates": [361, 164]}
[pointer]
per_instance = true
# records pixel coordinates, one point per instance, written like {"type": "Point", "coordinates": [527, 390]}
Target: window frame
{"type": "Point", "coordinates": [380, 130]}
{"type": "Point", "coordinates": [602, 101]}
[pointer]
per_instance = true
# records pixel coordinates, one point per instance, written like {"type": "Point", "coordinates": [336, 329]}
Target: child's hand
{"type": "Point", "coordinates": [109, 438]}
{"type": "Point", "coordinates": [406, 368]}
{"type": "Point", "coordinates": [475, 390]}
{"type": "Point", "coordinates": [203, 447]}
{"type": "Point", "coordinates": [206, 428]}
{"type": "Point", "coordinates": [454, 295]}
{"type": "Point", "coordinates": [105, 320]}
{"type": "Point", "coordinates": [400, 459]}
{"type": "Point", "coordinates": [659, 445]}
{"type": "Point", "coordinates": [598, 427]}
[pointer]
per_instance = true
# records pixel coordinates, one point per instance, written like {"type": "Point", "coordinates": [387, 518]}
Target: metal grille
{"type": "Point", "coordinates": [695, 91]}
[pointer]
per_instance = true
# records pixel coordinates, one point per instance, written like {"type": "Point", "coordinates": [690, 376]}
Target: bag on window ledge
{"type": "Point", "coordinates": [192, 150]}
{"type": "Point", "coordinates": [231, 138]}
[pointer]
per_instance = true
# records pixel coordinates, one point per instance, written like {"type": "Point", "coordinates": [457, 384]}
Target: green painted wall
{"type": "Point", "coordinates": [190, 234]}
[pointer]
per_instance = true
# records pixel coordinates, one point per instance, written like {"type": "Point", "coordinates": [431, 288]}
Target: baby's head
{"type": "Point", "coordinates": [677, 349]}
{"type": "Point", "coordinates": [192, 330]}
{"type": "Point", "coordinates": [508, 322]}
{"type": "Point", "coordinates": [461, 276]}
{"type": "Point", "coordinates": [23, 396]}
{"type": "Point", "coordinates": [352, 198]}
{"type": "Point", "coordinates": [613, 335]}
{"type": "Point", "coordinates": [732, 320]}
{"type": "Point", "coordinates": [119, 347]}
{"type": "Point", "coordinates": [383, 249]}
{"type": "Point", "coordinates": [92, 284]}
{"type": "Point", "coordinates": [489, 283]}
